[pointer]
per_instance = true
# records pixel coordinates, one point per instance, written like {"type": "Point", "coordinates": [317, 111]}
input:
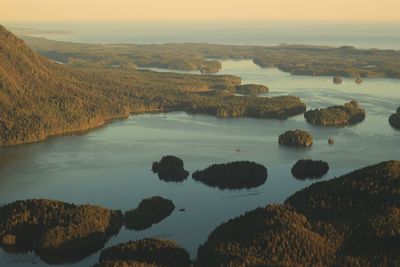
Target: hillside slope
{"type": "Point", "coordinates": [39, 97]}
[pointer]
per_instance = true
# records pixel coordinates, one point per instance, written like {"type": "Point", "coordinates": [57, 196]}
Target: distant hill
{"type": "Point", "coordinates": [40, 98]}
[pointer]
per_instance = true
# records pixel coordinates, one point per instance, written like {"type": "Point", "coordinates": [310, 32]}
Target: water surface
{"type": "Point", "coordinates": [111, 166]}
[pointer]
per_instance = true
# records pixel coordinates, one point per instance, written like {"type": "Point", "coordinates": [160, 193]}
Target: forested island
{"type": "Point", "coordinates": [61, 232]}
{"type": "Point", "coordinates": [149, 211]}
{"type": "Point", "coordinates": [347, 114]}
{"type": "Point", "coordinates": [40, 98]}
{"type": "Point", "coordinates": [233, 175]}
{"type": "Point", "coordinates": [55, 230]}
{"type": "Point", "coordinates": [147, 252]}
{"type": "Point", "coordinates": [170, 169]}
{"type": "Point", "coordinates": [309, 169]}
{"type": "Point", "coordinates": [394, 119]}
{"type": "Point", "coordinates": [296, 138]}
{"type": "Point", "coordinates": [345, 61]}
{"type": "Point", "coordinates": [352, 220]}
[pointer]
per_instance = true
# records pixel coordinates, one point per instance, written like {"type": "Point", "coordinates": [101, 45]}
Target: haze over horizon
{"type": "Point", "coordinates": [205, 10]}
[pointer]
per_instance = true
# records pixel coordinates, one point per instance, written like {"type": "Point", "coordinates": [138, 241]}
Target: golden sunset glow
{"type": "Point", "coordinates": [194, 10]}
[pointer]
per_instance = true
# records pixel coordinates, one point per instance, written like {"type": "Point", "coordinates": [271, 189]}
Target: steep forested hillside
{"type": "Point", "coordinates": [39, 97]}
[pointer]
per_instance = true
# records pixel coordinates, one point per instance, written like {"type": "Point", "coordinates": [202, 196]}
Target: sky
{"type": "Point", "coordinates": [198, 10]}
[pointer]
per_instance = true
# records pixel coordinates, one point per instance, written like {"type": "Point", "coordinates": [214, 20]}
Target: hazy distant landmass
{"type": "Point", "coordinates": [262, 33]}
{"type": "Point", "coordinates": [309, 60]}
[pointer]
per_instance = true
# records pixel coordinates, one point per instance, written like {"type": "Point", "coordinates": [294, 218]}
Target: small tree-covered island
{"type": "Point", "coordinates": [307, 168]}
{"type": "Point", "coordinates": [170, 169]}
{"type": "Point", "coordinates": [233, 175]}
{"type": "Point", "coordinates": [149, 211]}
{"type": "Point", "coordinates": [349, 113]}
{"type": "Point", "coordinates": [299, 138]}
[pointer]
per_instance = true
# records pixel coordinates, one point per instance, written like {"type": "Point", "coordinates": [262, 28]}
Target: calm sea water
{"type": "Point", "coordinates": [111, 166]}
{"type": "Point", "coordinates": [361, 35]}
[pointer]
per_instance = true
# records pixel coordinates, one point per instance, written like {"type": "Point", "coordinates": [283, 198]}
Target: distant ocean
{"type": "Point", "coordinates": [360, 35]}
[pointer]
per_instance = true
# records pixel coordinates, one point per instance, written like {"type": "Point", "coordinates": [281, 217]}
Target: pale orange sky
{"type": "Point", "coordinates": [198, 10]}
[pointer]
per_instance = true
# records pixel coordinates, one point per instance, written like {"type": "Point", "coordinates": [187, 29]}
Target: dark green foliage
{"type": "Point", "coordinates": [280, 107]}
{"type": "Point", "coordinates": [358, 211]}
{"type": "Point", "coordinates": [150, 211]}
{"type": "Point", "coordinates": [350, 113]}
{"type": "Point", "coordinates": [233, 175]}
{"type": "Point", "coordinates": [353, 220]}
{"type": "Point", "coordinates": [170, 168]}
{"type": "Point", "coordinates": [58, 229]}
{"type": "Point", "coordinates": [296, 138]}
{"type": "Point", "coordinates": [394, 119]}
{"type": "Point", "coordinates": [145, 253]}
{"type": "Point", "coordinates": [337, 80]}
{"type": "Point", "coordinates": [307, 168]}
{"type": "Point", "coordinates": [251, 89]}
{"type": "Point", "coordinates": [359, 193]}
{"type": "Point", "coordinates": [122, 263]}
{"type": "Point", "coordinates": [272, 236]}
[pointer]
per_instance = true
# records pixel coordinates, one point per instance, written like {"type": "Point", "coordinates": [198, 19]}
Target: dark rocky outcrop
{"type": "Point", "coordinates": [394, 119]}
{"type": "Point", "coordinates": [307, 168]}
{"type": "Point", "coordinates": [296, 138]}
{"type": "Point", "coordinates": [251, 89]}
{"type": "Point", "coordinates": [57, 228]}
{"type": "Point", "coordinates": [170, 169]}
{"type": "Point", "coordinates": [233, 175]}
{"type": "Point", "coordinates": [150, 211]}
{"type": "Point", "coordinates": [350, 113]}
{"type": "Point", "coordinates": [337, 80]}
{"type": "Point", "coordinates": [145, 253]}
{"type": "Point", "coordinates": [353, 220]}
